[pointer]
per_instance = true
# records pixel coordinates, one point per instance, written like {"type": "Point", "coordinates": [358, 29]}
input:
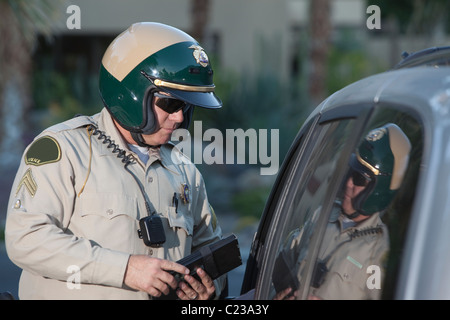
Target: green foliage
{"type": "Point", "coordinates": [345, 68]}
{"type": "Point", "coordinates": [250, 203]}
{"type": "Point", "coordinates": [349, 62]}
{"type": "Point", "coordinates": [35, 16]}
{"type": "Point", "coordinates": [61, 96]}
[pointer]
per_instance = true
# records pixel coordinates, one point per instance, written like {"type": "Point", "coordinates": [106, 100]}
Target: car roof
{"type": "Point", "coordinates": [435, 57]}
{"type": "Point", "coordinates": [424, 89]}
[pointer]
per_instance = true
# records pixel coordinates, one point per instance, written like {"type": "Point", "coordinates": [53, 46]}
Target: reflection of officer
{"type": "Point", "coordinates": [356, 238]}
{"type": "Point", "coordinates": [84, 185]}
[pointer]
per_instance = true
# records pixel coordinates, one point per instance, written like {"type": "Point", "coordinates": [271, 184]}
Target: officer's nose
{"type": "Point", "coordinates": [177, 116]}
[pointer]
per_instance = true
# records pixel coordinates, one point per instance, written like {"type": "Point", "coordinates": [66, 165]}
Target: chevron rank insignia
{"type": "Point", "coordinates": [28, 183]}
{"type": "Point", "coordinates": [44, 150]}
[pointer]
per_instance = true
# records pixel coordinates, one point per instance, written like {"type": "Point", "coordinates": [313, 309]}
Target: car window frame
{"type": "Point", "coordinates": [282, 183]}
{"type": "Point", "coordinates": [358, 111]}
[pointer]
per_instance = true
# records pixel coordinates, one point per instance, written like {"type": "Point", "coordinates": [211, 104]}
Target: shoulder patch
{"type": "Point", "coordinates": [42, 151]}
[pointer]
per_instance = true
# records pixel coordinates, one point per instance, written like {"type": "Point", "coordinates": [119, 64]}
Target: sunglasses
{"type": "Point", "coordinates": [359, 179]}
{"type": "Point", "coordinates": [170, 104]}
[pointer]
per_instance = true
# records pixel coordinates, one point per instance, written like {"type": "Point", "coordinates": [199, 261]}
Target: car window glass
{"type": "Point", "coordinates": [360, 259]}
{"type": "Point", "coordinates": [304, 202]}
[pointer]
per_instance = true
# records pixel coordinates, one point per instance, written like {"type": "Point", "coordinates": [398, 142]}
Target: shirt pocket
{"type": "Point", "coordinates": [349, 269]}
{"type": "Point", "coordinates": [180, 219]}
{"type": "Point", "coordinates": [109, 206]}
{"type": "Point", "coordinates": [109, 220]}
{"type": "Point", "coordinates": [346, 279]}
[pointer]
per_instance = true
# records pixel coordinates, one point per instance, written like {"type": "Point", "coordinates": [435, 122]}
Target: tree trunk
{"type": "Point", "coordinates": [200, 17]}
{"type": "Point", "coordinates": [320, 30]}
{"type": "Point", "coordinates": [15, 67]}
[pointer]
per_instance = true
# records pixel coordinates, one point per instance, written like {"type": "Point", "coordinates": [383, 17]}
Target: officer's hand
{"type": "Point", "coordinates": [150, 274]}
{"type": "Point", "coordinates": [286, 294]}
{"type": "Point", "coordinates": [193, 289]}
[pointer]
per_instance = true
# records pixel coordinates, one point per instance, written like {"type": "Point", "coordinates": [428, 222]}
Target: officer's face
{"type": "Point", "coordinates": [166, 124]}
{"type": "Point", "coordinates": [351, 191]}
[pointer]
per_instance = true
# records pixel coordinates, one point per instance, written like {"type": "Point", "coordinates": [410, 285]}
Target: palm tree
{"type": "Point", "coordinates": [320, 32]}
{"type": "Point", "coordinates": [199, 16]}
{"type": "Point", "coordinates": [20, 23]}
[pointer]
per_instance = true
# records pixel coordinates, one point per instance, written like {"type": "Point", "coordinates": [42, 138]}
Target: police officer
{"type": "Point", "coordinates": [355, 238]}
{"type": "Point", "coordinates": [103, 205]}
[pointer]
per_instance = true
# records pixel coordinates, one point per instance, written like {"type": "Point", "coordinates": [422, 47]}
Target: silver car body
{"type": "Point", "coordinates": [425, 254]}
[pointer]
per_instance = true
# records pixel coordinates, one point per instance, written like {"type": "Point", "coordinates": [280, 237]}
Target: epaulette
{"type": "Point", "coordinates": [76, 122]}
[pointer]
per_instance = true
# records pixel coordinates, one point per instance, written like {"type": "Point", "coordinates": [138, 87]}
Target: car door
{"type": "Point", "coordinates": [285, 255]}
{"type": "Point", "coordinates": [301, 184]}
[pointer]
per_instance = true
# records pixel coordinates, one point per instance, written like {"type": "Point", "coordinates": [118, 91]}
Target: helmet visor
{"type": "Point", "coordinates": [359, 179]}
{"type": "Point", "coordinates": [170, 104]}
{"type": "Point", "coordinates": [207, 100]}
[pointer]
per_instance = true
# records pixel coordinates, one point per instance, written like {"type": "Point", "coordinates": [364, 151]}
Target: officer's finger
{"type": "Point", "coordinates": [163, 287]}
{"type": "Point", "coordinates": [182, 295]}
{"type": "Point", "coordinates": [155, 287]}
{"type": "Point", "coordinates": [173, 266]}
{"type": "Point", "coordinates": [153, 291]}
{"type": "Point", "coordinates": [205, 278]}
{"type": "Point", "coordinates": [168, 279]}
{"type": "Point", "coordinates": [195, 284]}
{"type": "Point", "coordinates": [186, 292]}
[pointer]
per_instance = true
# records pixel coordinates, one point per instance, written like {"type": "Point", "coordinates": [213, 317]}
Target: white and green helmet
{"type": "Point", "coordinates": [148, 58]}
{"type": "Point", "coordinates": [382, 159]}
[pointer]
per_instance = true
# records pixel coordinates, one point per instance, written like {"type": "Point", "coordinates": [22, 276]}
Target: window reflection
{"type": "Point", "coordinates": [356, 250]}
{"type": "Point", "coordinates": [352, 259]}
{"type": "Point", "coordinates": [307, 199]}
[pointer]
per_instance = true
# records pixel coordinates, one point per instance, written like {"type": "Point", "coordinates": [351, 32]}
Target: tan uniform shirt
{"type": "Point", "coordinates": [350, 253]}
{"type": "Point", "coordinates": [351, 260]}
{"type": "Point", "coordinates": [74, 212]}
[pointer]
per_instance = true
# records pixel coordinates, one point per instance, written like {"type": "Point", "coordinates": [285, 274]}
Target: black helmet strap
{"type": "Point", "coordinates": [137, 137]}
{"type": "Point", "coordinates": [353, 215]}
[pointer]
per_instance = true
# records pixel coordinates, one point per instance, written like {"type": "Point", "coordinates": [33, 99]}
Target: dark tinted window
{"type": "Point", "coordinates": [311, 177]}
{"type": "Point", "coordinates": [317, 251]}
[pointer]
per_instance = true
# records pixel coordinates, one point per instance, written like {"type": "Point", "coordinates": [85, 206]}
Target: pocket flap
{"type": "Point", "coordinates": [180, 220]}
{"type": "Point", "coordinates": [108, 205]}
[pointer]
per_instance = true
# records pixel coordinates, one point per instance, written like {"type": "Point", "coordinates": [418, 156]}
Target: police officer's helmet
{"type": "Point", "coordinates": [379, 163]}
{"type": "Point", "coordinates": [151, 59]}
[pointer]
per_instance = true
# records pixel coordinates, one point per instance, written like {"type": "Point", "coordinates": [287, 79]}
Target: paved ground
{"type": "Point", "coordinates": [9, 273]}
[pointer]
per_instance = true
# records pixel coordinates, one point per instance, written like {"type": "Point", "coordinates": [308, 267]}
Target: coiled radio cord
{"type": "Point", "coordinates": [121, 154]}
